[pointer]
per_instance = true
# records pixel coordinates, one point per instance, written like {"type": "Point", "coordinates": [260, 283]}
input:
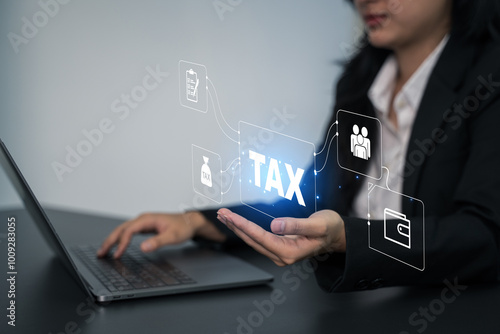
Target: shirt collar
{"type": "Point", "coordinates": [382, 88]}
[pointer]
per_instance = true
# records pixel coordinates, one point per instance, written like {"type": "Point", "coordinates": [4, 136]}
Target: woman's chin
{"type": "Point", "coordinates": [378, 40]}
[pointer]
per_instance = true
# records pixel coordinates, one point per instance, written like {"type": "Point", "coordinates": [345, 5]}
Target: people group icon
{"type": "Point", "coordinates": [360, 144]}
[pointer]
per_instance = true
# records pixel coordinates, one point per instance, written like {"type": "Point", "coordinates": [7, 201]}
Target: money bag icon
{"type": "Point", "coordinates": [206, 173]}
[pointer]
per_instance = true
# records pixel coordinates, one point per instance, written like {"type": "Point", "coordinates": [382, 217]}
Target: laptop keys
{"type": "Point", "coordinates": [132, 271]}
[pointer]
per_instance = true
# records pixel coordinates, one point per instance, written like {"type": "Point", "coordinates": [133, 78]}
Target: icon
{"type": "Point", "coordinates": [192, 83]}
{"type": "Point", "coordinates": [398, 233]}
{"type": "Point", "coordinates": [360, 144]}
{"type": "Point", "coordinates": [193, 80]}
{"type": "Point", "coordinates": [273, 179]}
{"type": "Point", "coordinates": [275, 166]}
{"type": "Point", "coordinates": [397, 228]}
{"type": "Point", "coordinates": [206, 173]}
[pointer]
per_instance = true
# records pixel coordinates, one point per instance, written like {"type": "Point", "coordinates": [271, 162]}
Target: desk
{"type": "Point", "coordinates": [49, 301]}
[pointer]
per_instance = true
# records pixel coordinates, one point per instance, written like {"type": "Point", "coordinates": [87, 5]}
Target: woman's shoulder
{"type": "Point", "coordinates": [489, 51]}
{"type": "Point", "coordinates": [486, 63]}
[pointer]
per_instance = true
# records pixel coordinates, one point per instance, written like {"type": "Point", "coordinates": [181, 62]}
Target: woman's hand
{"type": "Point", "coordinates": [170, 229]}
{"type": "Point", "coordinates": [293, 239]}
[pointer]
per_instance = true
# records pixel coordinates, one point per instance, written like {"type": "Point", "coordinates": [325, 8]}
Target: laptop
{"type": "Point", "coordinates": [173, 270]}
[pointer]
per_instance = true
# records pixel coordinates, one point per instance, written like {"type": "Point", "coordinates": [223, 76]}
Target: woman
{"type": "Point", "coordinates": [430, 73]}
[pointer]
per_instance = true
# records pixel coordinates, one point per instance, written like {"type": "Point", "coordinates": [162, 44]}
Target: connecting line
{"type": "Point", "coordinates": [232, 179]}
{"type": "Point", "coordinates": [387, 181]}
{"type": "Point", "coordinates": [327, 134]}
{"type": "Point", "coordinates": [236, 159]}
{"type": "Point", "coordinates": [211, 98]}
{"type": "Point", "coordinates": [218, 105]}
{"type": "Point", "coordinates": [327, 154]}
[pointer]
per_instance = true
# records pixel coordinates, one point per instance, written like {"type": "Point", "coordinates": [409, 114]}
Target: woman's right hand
{"type": "Point", "coordinates": [170, 229]}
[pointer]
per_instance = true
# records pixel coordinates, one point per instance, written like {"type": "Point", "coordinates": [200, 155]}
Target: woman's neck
{"type": "Point", "coordinates": [410, 57]}
{"type": "Point", "coordinates": [409, 60]}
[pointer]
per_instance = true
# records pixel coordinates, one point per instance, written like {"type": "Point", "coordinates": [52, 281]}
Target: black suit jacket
{"type": "Point", "coordinates": [452, 165]}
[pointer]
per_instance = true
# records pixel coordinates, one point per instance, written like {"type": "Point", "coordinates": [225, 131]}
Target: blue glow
{"type": "Point", "coordinates": [269, 162]}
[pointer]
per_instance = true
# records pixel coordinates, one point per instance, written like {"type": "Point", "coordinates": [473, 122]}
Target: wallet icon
{"type": "Point", "coordinates": [397, 228]}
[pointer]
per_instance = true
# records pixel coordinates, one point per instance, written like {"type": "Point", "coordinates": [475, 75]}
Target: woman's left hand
{"type": "Point", "coordinates": [293, 239]}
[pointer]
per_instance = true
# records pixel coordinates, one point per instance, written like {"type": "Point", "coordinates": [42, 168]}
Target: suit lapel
{"type": "Point", "coordinates": [441, 92]}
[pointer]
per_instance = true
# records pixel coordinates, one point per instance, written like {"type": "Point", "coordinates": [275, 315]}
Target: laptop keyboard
{"type": "Point", "coordinates": [132, 271]}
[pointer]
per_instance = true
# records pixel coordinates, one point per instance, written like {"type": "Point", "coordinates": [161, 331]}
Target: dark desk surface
{"type": "Point", "coordinates": [49, 301]}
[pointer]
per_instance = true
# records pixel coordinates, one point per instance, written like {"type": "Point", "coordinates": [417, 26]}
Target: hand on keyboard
{"type": "Point", "coordinates": [170, 229]}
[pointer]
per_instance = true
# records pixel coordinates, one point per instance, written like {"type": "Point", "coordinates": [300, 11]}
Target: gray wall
{"type": "Point", "coordinates": [63, 77]}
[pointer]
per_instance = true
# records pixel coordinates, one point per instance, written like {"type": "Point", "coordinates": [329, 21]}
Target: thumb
{"type": "Point", "coordinates": [155, 242]}
{"type": "Point", "coordinates": [150, 244]}
{"type": "Point", "coordinates": [299, 226]}
{"type": "Point", "coordinates": [163, 238]}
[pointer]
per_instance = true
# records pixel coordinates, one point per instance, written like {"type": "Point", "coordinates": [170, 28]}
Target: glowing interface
{"type": "Point", "coordinates": [396, 235]}
{"type": "Point", "coordinates": [275, 166]}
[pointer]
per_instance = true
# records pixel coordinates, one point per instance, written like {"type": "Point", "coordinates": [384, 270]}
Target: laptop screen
{"type": "Point", "coordinates": [35, 210]}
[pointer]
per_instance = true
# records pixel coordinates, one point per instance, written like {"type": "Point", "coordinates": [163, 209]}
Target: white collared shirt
{"type": "Point", "coordinates": [394, 140]}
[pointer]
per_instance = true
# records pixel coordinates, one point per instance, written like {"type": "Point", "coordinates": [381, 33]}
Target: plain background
{"type": "Point", "coordinates": [262, 57]}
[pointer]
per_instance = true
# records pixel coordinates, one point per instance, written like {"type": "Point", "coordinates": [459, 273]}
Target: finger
{"type": "Point", "coordinates": [249, 241]}
{"type": "Point", "coordinates": [310, 227]}
{"type": "Point", "coordinates": [164, 238]}
{"type": "Point", "coordinates": [112, 239]}
{"type": "Point", "coordinates": [284, 247]}
{"type": "Point", "coordinates": [142, 224]}
{"type": "Point", "coordinates": [254, 231]}
{"type": "Point", "coordinates": [253, 235]}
